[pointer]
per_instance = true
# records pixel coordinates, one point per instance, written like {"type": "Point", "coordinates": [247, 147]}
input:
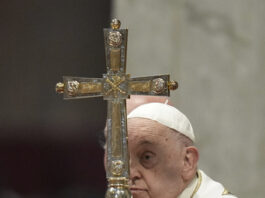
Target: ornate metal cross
{"type": "Point", "coordinates": [115, 87]}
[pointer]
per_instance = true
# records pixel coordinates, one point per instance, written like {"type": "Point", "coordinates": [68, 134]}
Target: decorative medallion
{"type": "Point", "coordinates": [158, 85]}
{"type": "Point", "coordinates": [72, 87]}
{"type": "Point", "coordinates": [117, 167]}
{"type": "Point", "coordinates": [115, 39]}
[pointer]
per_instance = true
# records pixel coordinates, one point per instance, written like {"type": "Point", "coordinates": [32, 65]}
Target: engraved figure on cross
{"type": "Point", "coordinates": [115, 87]}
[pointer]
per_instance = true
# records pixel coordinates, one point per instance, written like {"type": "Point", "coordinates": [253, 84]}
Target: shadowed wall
{"type": "Point", "coordinates": [49, 147]}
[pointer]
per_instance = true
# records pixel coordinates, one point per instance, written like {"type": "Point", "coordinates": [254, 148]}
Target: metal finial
{"type": "Point", "coordinates": [59, 88]}
{"type": "Point", "coordinates": [172, 85]}
{"type": "Point", "coordinates": [115, 24]}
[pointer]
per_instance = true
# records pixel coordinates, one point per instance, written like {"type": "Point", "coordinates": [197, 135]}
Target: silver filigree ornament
{"type": "Point", "coordinates": [115, 39]}
{"type": "Point", "coordinates": [158, 85]}
{"type": "Point", "coordinates": [72, 87]}
{"type": "Point", "coordinates": [117, 167]}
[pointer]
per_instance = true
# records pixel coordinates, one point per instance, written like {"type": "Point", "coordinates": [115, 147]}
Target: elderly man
{"type": "Point", "coordinates": [163, 158]}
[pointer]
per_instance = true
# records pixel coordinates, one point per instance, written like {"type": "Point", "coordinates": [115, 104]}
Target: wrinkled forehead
{"type": "Point", "coordinates": [146, 128]}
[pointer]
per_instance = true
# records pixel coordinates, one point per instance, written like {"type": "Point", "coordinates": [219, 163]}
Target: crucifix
{"type": "Point", "coordinates": [115, 87]}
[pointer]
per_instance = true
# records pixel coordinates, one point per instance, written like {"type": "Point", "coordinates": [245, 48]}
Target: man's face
{"type": "Point", "coordinates": [156, 160]}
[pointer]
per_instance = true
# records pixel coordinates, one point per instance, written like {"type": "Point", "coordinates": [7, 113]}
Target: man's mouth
{"type": "Point", "coordinates": [137, 190]}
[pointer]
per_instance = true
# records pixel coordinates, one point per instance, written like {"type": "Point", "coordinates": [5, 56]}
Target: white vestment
{"type": "Point", "coordinates": [203, 186]}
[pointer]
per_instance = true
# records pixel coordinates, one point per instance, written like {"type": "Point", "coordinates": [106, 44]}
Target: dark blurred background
{"type": "Point", "coordinates": [50, 147]}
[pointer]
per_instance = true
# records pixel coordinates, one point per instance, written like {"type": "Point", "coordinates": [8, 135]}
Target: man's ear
{"type": "Point", "coordinates": [191, 157]}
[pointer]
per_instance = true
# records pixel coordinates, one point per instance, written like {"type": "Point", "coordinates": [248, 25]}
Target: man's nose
{"type": "Point", "coordinates": [135, 173]}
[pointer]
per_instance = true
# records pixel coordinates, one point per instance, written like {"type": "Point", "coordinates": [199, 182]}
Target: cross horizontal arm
{"type": "Point", "coordinates": [79, 87]}
{"type": "Point", "coordinates": [152, 85]}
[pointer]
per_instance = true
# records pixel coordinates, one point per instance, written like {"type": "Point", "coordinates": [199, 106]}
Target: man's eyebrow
{"type": "Point", "coordinates": [145, 142]}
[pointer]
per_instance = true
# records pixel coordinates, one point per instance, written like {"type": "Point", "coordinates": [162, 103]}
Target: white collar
{"type": "Point", "coordinates": [192, 188]}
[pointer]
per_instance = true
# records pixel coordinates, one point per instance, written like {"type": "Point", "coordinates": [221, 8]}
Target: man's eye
{"type": "Point", "coordinates": [148, 159]}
